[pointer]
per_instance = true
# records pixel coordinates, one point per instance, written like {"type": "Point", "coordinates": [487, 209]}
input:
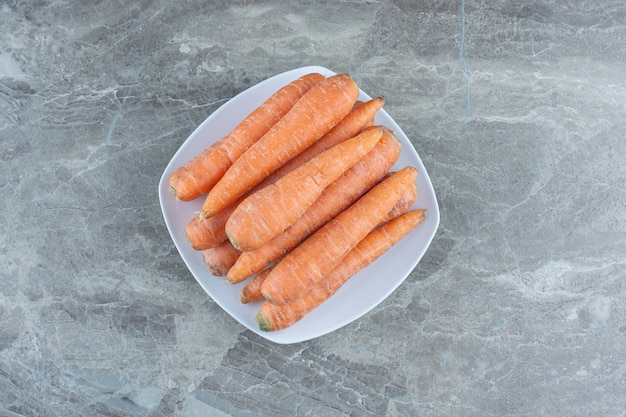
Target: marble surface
{"type": "Point", "coordinates": [518, 111]}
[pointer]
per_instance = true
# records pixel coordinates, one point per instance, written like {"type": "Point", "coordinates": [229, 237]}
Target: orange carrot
{"type": "Point", "coordinates": [269, 211]}
{"type": "Point", "coordinates": [306, 264]}
{"type": "Point", "coordinates": [336, 197]}
{"type": "Point", "coordinates": [252, 291]}
{"type": "Point", "coordinates": [404, 203]}
{"type": "Point", "coordinates": [311, 117]}
{"type": "Point", "coordinates": [200, 174]}
{"type": "Point", "coordinates": [205, 233]}
{"type": "Point", "coordinates": [220, 258]}
{"type": "Point", "coordinates": [272, 317]}
{"type": "Point", "coordinates": [361, 116]}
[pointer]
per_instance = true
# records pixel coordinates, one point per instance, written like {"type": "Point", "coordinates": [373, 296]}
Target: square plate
{"type": "Point", "coordinates": [362, 292]}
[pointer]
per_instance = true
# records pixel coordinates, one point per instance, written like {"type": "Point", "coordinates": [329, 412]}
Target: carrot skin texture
{"type": "Point", "coordinates": [205, 233]}
{"type": "Point", "coordinates": [268, 212]}
{"type": "Point", "coordinates": [199, 175]}
{"type": "Point", "coordinates": [306, 264]}
{"type": "Point", "coordinates": [219, 259]}
{"type": "Point", "coordinates": [273, 317]}
{"type": "Point", "coordinates": [404, 203]}
{"type": "Point", "coordinates": [251, 292]}
{"type": "Point", "coordinates": [359, 118]}
{"type": "Point", "coordinates": [312, 116]}
{"type": "Point", "coordinates": [336, 197]}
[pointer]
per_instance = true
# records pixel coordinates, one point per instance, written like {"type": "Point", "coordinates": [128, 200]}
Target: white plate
{"type": "Point", "coordinates": [362, 292]}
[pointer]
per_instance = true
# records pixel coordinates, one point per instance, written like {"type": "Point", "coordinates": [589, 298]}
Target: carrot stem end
{"type": "Point", "coordinates": [263, 323]}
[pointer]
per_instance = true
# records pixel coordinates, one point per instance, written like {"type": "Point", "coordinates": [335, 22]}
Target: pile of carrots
{"type": "Point", "coordinates": [299, 197]}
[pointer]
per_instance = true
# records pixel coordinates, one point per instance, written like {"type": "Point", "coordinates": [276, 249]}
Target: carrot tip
{"type": "Point", "coordinates": [231, 281]}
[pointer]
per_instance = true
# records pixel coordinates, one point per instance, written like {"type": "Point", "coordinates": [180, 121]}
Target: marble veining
{"type": "Point", "coordinates": [517, 109]}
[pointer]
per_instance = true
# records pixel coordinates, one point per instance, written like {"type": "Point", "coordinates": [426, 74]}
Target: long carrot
{"type": "Point", "coordinates": [336, 197]}
{"type": "Point", "coordinates": [269, 211]}
{"type": "Point", "coordinates": [252, 291]}
{"type": "Point", "coordinates": [219, 259]}
{"type": "Point", "coordinates": [199, 175]}
{"type": "Point", "coordinates": [306, 264]}
{"type": "Point", "coordinates": [272, 317]}
{"type": "Point", "coordinates": [311, 117]}
{"type": "Point", "coordinates": [358, 119]}
{"type": "Point", "coordinates": [204, 233]}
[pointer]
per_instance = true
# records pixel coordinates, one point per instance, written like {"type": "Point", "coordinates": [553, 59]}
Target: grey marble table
{"type": "Point", "coordinates": [517, 109]}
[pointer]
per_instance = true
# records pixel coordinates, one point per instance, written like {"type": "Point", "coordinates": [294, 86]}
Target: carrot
{"type": "Point", "coordinates": [311, 117]}
{"type": "Point", "coordinates": [273, 317]}
{"type": "Point", "coordinates": [205, 233]}
{"type": "Point", "coordinates": [220, 258]}
{"type": "Point", "coordinates": [404, 203]}
{"type": "Point", "coordinates": [361, 116]}
{"type": "Point", "coordinates": [336, 197]}
{"type": "Point", "coordinates": [200, 174]}
{"type": "Point", "coordinates": [252, 291]}
{"type": "Point", "coordinates": [269, 211]}
{"type": "Point", "coordinates": [306, 264]}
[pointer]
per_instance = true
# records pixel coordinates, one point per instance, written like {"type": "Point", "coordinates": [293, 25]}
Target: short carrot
{"type": "Point", "coordinates": [269, 211]}
{"type": "Point", "coordinates": [252, 291]}
{"type": "Point", "coordinates": [359, 118]}
{"type": "Point", "coordinates": [273, 317]}
{"type": "Point", "coordinates": [336, 197]}
{"type": "Point", "coordinates": [311, 117]}
{"type": "Point", "coordinates": [200, 174]}
{"type": "Point", "coordinates": [220, 258]}
{"type": "Point", "coordinates": [306, 264]}
{"type": "Point", "coordinates": [205, 233]}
